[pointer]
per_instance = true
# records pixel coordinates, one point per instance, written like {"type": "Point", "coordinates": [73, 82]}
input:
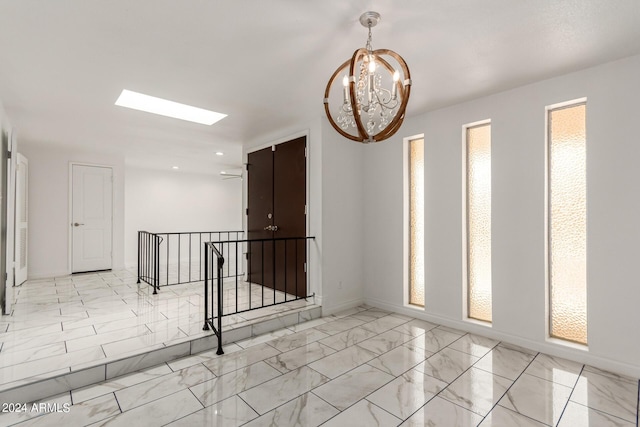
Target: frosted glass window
{"type": "Point", "coordinates": [416, 222]}
{"type": "Point", "coordinates": [479, 222]}
{"type": "Point", "coordinates": [567, 221]}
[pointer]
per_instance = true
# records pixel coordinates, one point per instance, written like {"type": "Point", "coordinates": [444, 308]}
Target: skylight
{"type": "Point", "coordinates": [163, 107]}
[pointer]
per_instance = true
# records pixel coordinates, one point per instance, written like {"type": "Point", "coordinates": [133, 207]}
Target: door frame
{"type": "Point", "coordinates": [11, 220]}
{"type": "Point", "coordinates": [245, 186]}
{"type": "Point", "coordinates": [6, 282]}
{"type": "Point", "coordinates": [70, 210]}
{"type": "Point", "coordinates": [16, 218]}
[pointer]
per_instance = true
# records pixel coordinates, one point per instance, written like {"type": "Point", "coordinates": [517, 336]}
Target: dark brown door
{"type": "Point", "coordinates": [260, 217]}
{"type": "Point", "coordinates": [276, 201]}
{"type": "Point", "coordinates": [289, 199]}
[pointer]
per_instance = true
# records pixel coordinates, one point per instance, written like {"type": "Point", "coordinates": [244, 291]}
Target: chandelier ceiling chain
{"type": "Point", "coordinates": [374, 97]}
{"type": "Point", "coordinates": [368, 45]}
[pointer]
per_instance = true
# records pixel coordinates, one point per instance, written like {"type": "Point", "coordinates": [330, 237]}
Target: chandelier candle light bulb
{"type": "Point", "coordinates": [372, 64]}
{"type": "Point", "coordinates": [370, 110]}
{"type": "Point", "coordinates": [345, 83]}
{"type": "Point", "coordinates": [394, 87]}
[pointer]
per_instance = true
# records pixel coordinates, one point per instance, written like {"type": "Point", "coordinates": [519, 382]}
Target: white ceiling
{"type": "Point", "coordinates": [265, 63]}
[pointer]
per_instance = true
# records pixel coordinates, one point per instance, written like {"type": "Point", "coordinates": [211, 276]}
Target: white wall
{"type": "Point", "coordinates": [5, 125]}
{"type": "Point", "coordinates": [172, 201]}
{"type": "Point", "coordinates": [49, 222]}
{"type": "Point", "coordinates": [343, 217]}
{"type": "Point", "coordinates": [518, 168]}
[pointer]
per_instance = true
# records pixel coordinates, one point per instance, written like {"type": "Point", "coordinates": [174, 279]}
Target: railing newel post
{"type": "Point", "coordinates": [206, 290]}
{"type": "Point", "coordinates": [220, 303]}
{"type": "Point", "coordinates": [156, 262]}
{"type": "Point", "coordinates": [139, 256]}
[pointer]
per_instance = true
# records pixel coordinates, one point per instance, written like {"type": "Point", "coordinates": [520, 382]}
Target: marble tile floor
{"type": "Point", "coordinates": [185, 271]}
{"type": "Point", "coordinates": [74, 322]}
{"type": "Point", "coordinates": [362, 367]}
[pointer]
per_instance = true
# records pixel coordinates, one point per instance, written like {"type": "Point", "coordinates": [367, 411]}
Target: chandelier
{"type": "Point", "coordinates": [375, 90]}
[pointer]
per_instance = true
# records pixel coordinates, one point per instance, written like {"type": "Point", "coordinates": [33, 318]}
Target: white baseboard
{"type": "Point", "coordinates": [344, 305]}
{"type": "Point", "coordinates": [46, 275]}
{"type": "Point", "coordinates": [317, 300]}
{"type": "Point", "coordinates": [557, 350]}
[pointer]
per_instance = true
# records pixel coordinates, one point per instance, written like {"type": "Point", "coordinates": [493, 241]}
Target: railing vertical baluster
{"type": "Point", "coordinates": [262, 266]}
{"type": "Point", "coordinates": [222, 250]}
{"type": "Point", "coordinates": [229, 271]}
{"type": "Point", "coordinates": [206, 291]}
{"type": "Point", "coordinates": [144, 258]}
{"type": "Point", "coordinates": [237, 276]}
{"type": "Point", "coordinates": [142, 237]}
{"type": "Point", "coordinates": [146, 255]}
{"type": "Point", "coordinates": [139, 260]}
{"type": "Point", "coordinates": [286, 272]}
{"type": "Point", "coordinates": [297, 291]}
{"type": "Point", "coordinates": [179, 260]}
{"type": "Point", "coordinates": [249, 259]}
{"type": "Point", "coordinates": [150, 258]}
{"type": "Point", "coordinates": [189, 257]}
{"type": "Point", "coordinates": [273, 264]}
{"type": "Point", "coordinates": [200, 257]}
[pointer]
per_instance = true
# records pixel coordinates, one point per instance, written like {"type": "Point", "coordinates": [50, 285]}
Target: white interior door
{"type": "Point", "coordinates": [92, 218]}
{"type": "Point", "coordinates": [22, 216]}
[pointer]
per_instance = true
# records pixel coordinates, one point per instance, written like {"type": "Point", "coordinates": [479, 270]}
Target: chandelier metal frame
{"type": "Point", "coordinates": [363, 94]}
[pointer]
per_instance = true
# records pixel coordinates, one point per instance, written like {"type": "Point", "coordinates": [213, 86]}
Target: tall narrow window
{"type": "Point", "coordinates": [478, 141]}
{"type": "Point", "coordinates": [416, 222]}
{"type": "Point", "coordinates": [567, 223]}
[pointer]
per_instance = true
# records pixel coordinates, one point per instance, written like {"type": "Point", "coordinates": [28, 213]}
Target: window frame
{"type": "Point", "coordinates": [465, 225]}
{"type": "Point", "coordinates": [406, 167]}
{"type": "Point", "coordinates": [547, 222]}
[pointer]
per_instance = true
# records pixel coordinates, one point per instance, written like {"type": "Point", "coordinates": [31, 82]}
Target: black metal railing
{"type": "Point", "coordinates": [149, 259]}
{"type": "Point", "coordinates": [212, 254]}
{"type": "Point", "coordinates": [276, 273]}
{"type": "Point", "coordinates": [177, 257]}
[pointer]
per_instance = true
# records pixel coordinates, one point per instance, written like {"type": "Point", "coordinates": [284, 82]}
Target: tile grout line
{"type": "Point", "coordinates": [571, 394]}
{"type": "Point", "coordinates": [601, 410]}
{"type": "Point", "coordinates": [311, 391]}
{"type": "Point", "coordinates": [350, 370]}
{"type": "Point", "coordinates": [252, 408]}
{"type": "Point", "coordinates": [462, 373]}
{"type": "Point", "coordinates": [509, 388]}
{"type": "Point", "coordinates": [395, 377]}
{"type": "Point", "coordinates": [153, 400]}
{"type": "Point", "coordinates": [118, 403]}
{"type": "Point", "coordinates": [319, 397]}
{"type": "Point", "coordinates": [364, 398]}
{"type": "Point", "coordinates": [196, 397]}
{"type": "Point", "coordinates": [383, 385]}
{"type": "Point", "coordinates": [353, 404]}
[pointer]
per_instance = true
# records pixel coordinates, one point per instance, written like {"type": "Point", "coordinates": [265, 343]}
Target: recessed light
{"type": "Point", "coordinates": [163, 107]}
{"type": "Point", "coordinates": [175, 167]}
{"type": "Point", "coordinates": [223, 173]}
{"type": "Point", "coordinates": [219, 153]}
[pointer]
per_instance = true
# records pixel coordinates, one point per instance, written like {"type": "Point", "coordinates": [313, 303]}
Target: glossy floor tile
{"type": "Point", "coordinates": [61, 323]}
{"type": "Point", "coordinates": [361, 367]}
